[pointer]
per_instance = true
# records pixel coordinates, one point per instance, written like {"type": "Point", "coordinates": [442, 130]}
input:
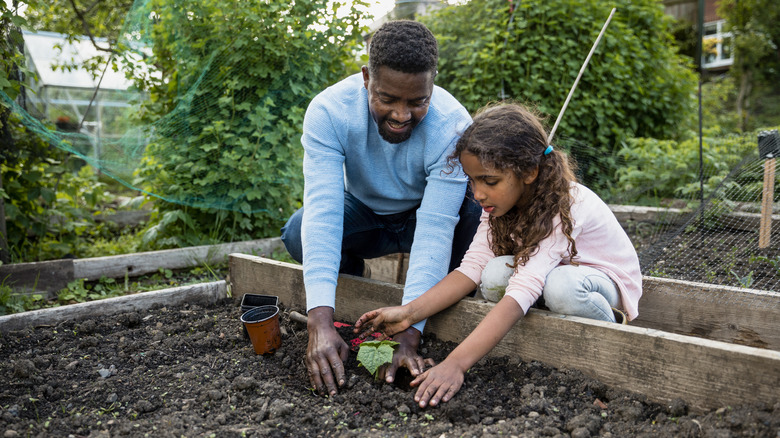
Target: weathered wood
{"type": "Point", "coordinates": [55, 275]}
{"type": "Point", "coordinates": [148, 262]}
{"type": "Point", "coordinates": [740, 316]}
{"type": "Point", "coordinates": [204, 293]}
{"type": "Point", "coordinates": [38, 276]}
{"type": "Point", "coordinates": [636, 213]}
{"type": "Point", "coordinates": [737, 220]}
{"type": "Point", "coordinates": [707, 374]}
{"type": "Point", "coordinates": [660, 364]}
{"type": "Point", "coordinates": [125, 218]}
{"type": "Point", "coordinates": [767, 201]}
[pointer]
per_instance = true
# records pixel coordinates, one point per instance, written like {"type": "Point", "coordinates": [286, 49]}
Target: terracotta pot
{"type": "Point", "coordinates": [250, 301]}
{"type": "Point", "coordinates": [262, 324]}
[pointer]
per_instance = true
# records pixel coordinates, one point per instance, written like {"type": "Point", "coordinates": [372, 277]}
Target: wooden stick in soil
{"type": "Point", "coordinates": [297, 317]}
{"type": "Point", "coordinates": [579, 75]}
{"type": "Point", "coordinates": [765, 227]}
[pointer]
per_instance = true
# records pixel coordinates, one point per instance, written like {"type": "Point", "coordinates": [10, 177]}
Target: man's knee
{"type": "Point", "coordinates": [291, 236]}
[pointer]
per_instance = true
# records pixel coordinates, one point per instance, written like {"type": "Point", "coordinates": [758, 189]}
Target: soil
{"type": "Point", "coordinates": [189, 371]}
{"type": "Point", "coordinates": [725, 257]}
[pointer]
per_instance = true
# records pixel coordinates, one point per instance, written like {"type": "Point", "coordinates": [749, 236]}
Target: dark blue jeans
{"type": "Point", "coordinates": [369, 235]}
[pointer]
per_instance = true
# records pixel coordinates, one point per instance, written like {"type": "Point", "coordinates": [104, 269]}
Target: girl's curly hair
{"type": "Point", "coordinates": [509, 136]}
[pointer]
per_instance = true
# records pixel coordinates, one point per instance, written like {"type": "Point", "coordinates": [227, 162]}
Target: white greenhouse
{"type": "Point", "coordinates": [65, 95]}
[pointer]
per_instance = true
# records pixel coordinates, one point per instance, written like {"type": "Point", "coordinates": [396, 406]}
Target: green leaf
{"type": "Point", "coordinates": [374, 354]}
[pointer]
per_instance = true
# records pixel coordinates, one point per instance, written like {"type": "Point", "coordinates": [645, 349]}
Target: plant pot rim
{"type": "Point", "coordinates": [251, 315]}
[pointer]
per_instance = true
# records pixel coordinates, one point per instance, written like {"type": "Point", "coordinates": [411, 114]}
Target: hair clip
{"type": "Point", "coordinates": [548, 150]}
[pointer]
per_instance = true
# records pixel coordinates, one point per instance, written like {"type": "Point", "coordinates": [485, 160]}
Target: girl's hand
{"type": "Point", "coordinates": [387, 321]}
{"type": "Point", "coordinates": [439, 383]}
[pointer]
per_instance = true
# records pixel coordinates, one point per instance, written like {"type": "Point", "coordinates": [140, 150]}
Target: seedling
{"type": "Point", "coordinates": [374, 354]}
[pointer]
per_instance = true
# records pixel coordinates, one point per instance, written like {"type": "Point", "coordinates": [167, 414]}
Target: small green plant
{"type": "Point", "coordinates": [745, 281]}
{"type": "Point", "coordinates": [774, 262]}
{"type": "Point", "coordinates": [79, 291]}
{"type": "Point", "coordinates": [374, 354]}
{"type": "Point", "coordinates": [13, 302]}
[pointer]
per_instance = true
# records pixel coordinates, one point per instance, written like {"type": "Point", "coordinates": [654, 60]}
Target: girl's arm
{"type": "Point", "coordinates": [392, 320]}
{"type": "Point", "coordinates": [443, 381]}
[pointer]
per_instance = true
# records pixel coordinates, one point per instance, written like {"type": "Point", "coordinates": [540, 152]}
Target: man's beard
{"type": "Point", "coordinates": [392, 137]}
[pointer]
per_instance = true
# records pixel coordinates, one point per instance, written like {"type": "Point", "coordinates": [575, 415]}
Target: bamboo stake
{"type": "Point", "coordinates": [579, 75]}
{"type": "Point", "coordinates": [765, 226]}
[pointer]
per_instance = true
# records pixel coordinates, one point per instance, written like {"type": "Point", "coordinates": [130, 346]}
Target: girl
{"type": "Point", "coordinates": [553, 236]}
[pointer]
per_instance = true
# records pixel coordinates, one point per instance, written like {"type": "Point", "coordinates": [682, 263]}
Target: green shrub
{"type": "Point", "coordinates": [227, 110]}
{"type": "Point", "coordinates": [635, 85]}
{"type": "Point", "coordinates": [50, 202]}
{"type": "Point", "coordinates": [655, 170]}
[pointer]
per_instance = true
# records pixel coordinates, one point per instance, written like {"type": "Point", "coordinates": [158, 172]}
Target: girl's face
{"type": "Point", "coordinates": [496, 191]}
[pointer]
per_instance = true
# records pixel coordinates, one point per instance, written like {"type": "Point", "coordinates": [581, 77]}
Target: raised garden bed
{"type": "Point", "coordinates": [701, 360]}
{"type": "Point", "coordinates": [185, 369]}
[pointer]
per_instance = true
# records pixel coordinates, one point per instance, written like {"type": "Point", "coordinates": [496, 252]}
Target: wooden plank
{"type": "Point", "coordinates": [38, 276]}
{"type": "Point", "coordinates": [638, 213]}
{"type": "Point", "coordinates": [204, 293]}
{"type": "Point", "coordinates": [662, 365]}
{"type": "Point", "coordinates": [736, 220]}
{"type": "Point", "coordinates": [52, 276]}
{"type": "Point", "coordinates": [707, 374]}
{"type": "Point", "coordinates": [720, 313]}
{"type": "Point", "coordinates": [740, 316]}
{"type": "Point", "coordinates": [147, 262]}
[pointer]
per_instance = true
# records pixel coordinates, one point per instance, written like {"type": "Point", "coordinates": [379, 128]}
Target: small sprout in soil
{"type": "Point", "coordinates": [374, 354]}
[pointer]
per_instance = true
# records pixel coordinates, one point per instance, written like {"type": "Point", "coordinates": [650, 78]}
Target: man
{"type": "Point", "coordinates": [376, 183]}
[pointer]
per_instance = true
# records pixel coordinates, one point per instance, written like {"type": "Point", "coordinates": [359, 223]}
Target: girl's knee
{"type": "Point", "coordinates": [495, 278]}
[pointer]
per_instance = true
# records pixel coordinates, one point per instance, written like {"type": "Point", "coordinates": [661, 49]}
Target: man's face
{"type": "Point", "coordinates": [398, 101]}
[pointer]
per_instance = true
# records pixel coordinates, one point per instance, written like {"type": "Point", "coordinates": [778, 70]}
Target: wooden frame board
{"type": "Point", "coordinates": [52, 276]}
{"type": "Point", "coordinates": [202, 293]}
{"type": "Point", "coordinates": [660, 364]}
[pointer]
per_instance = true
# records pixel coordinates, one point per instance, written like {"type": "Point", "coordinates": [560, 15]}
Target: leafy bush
{"type": "Point", "coordinates": [228, 96]}
{"type": "Point", "coordinates": [13, 302]}
{"type": "Point", "coordinates": [664, 169]}
{"type": "Point", "coordinates": [635, 85]}
{"type": "Point", "coordinates": [49, 201]}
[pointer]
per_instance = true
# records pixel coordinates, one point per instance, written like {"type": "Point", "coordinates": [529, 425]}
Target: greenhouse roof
{"type": "Point", "coordinates": [40, 47]}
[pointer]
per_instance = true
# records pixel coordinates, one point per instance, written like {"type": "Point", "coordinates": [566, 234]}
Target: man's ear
{"type": "Point", "coordinates": [364, 69]}
{"type": "Point", "coordinates": [530, 177]}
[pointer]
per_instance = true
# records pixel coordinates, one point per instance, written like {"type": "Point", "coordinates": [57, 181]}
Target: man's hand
{"type": "Point", "coordinates": [326, 352]}
{"type": "Point", "coordinates": [405, 356]}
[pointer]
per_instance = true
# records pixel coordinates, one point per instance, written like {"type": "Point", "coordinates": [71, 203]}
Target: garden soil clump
{"type": "Point", "coordinates": [189, 371]}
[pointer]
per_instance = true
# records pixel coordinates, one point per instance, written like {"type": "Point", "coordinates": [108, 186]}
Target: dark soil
{"type": "Point", "coordinates": [722, 256]}
{"type": "Point", "coordinates": [190, 372]}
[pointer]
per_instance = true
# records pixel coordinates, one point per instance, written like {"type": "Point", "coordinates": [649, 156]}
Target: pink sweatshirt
{"type": "Point", "coordinates": [601, 243]}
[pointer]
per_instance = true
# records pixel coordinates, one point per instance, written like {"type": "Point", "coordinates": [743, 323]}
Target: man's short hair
{"type": "Point", "coordinates": [403, 45]}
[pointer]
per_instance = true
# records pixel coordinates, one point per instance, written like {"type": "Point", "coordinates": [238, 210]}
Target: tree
{"type": "Point", "coordinates": [756, 44]}
{"type": "Point", "coordinates": [635, 85]}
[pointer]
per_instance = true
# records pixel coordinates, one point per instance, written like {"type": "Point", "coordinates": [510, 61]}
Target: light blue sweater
{"type": "Point", "coordinates": [344, 151]}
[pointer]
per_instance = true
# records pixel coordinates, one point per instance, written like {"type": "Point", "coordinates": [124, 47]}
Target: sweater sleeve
{"type": "Point", "coordinates": [323, 198]}
{"type": "Point", "coordinates": [437, 216]}
{"type": "Point", "coordinates": [527, 282]}
{"type": "Point", "coordinates": [479, 252]}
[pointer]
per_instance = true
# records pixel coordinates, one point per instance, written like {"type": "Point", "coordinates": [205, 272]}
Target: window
{"type": "Point", "coordinates": [716, 46]}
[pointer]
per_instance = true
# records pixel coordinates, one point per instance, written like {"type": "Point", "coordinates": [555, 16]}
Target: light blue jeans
{"type": "Point", "coordinates": [569, 290]}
